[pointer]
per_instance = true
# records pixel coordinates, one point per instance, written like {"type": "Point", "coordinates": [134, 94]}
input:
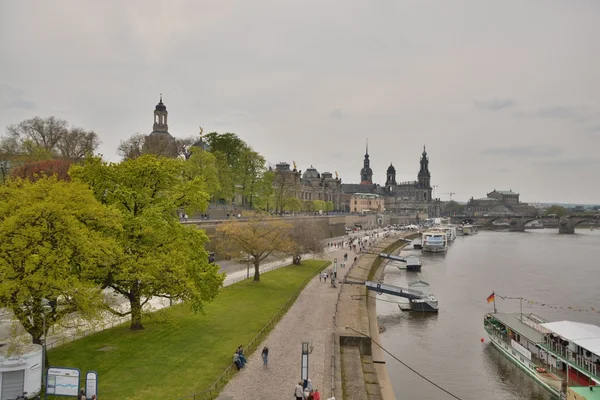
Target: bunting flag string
{"type": "Point", "coordinates": [555, 306]}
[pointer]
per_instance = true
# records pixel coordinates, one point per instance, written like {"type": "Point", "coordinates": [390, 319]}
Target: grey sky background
{"type": "Point", "coordinates": [505, 94]}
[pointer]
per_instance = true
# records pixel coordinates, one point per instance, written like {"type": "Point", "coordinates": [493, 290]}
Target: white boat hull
{"type": "Point", "coordinates": [505, 349]}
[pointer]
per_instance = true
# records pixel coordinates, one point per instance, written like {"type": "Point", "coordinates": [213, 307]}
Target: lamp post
{"type": "Point", "coordinates": [45, 303]}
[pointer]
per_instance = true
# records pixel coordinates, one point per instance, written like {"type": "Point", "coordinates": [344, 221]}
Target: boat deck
{"type": "Point", "coordinates": [512, 321]}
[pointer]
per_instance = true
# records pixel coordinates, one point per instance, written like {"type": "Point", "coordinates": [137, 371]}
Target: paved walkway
{"type": "Point", "coordinates": [310, 318]}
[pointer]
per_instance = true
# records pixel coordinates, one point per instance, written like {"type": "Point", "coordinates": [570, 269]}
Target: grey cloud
{"type": "Point", "coordinates": [12, 97]}
{"type": "Point", "coordinates": [560, 112]}
{"type": "Point", "coordinates": [523, 151]}
{"type": "Point", "coordinates": [567, 163]}
{"type": "Point", "coordinates": [594, 129]}
{"type": "Point", "coordinates": [494, 104]}
{"type": "Point", "coordinates": [337, 114]}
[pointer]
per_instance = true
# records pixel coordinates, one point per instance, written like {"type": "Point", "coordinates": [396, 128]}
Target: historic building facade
{"type": "Point", "coordinates": [310, 185]}
{"type": "Point", "coordinates": [405, 198]}
{"type": "Point", "coordinates": [366, 202]}
{"type": "Point", "coordinates": [499, 203]}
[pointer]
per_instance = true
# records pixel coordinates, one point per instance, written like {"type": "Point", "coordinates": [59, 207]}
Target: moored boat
{"type": "Point", "coordinates": [563, 356]}
{"type": "Point", "coordinates": [435, 242]}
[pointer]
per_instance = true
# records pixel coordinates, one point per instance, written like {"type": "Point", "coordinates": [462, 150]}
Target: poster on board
{"type": "Point", "coordinates": [91, 384]}
{"type": "Point", "coordinates": [62, 381]}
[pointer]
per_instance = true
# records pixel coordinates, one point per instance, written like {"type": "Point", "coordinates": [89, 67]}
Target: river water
{"type": "Point", "coordinates": [540, 265]}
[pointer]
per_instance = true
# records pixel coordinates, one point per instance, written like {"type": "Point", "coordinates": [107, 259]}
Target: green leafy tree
{"type": "Point", "coordinates": [54, 236]}
{"type": "Point", "coordinates": [454, 208]}
{"type": "Point", "coordinates": [161, 257]}
{"type": "Point", "coordinates": [202, 164]}
{"type": "Point", "coordinates": [319, 205]}
{"type": "Point", "coordinates": [292, 204]}
{"type": "Point", "coordinates": [250, 170]}
{"type": "Point", "coordinates": [226, 178]}
{"type": "Point", "coordinates": [329, 206]}
{"type": "Point", "coordinates": [264, 195]}
{"type": "Point", "coordinates": [558, 210]}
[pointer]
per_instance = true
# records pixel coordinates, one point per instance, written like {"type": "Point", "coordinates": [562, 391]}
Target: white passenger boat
{"type": "Point", "coordinates": [563, 356]}
{"type": "Point", "coordinates": [434, 242]}
{"type": "Point", "coordinates": [469, 229]}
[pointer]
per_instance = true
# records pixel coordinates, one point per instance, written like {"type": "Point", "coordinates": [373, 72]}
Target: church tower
{"type": "Point", "coordinates": [366, 173]}
{"type": "Point", "coordinates": [424, 176]}
{"type": "Point", "coordinates": [391, 176]}
{"type": "Point", "coordinates": [160, 141]}
{"type": "Point", "coordinates": [160, 117]}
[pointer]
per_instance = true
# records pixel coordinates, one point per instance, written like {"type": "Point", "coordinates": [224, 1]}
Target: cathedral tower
{"type": "Point", "coordinates": [366, 173]}
{"type": "Point", "coordinates": [424, 176]}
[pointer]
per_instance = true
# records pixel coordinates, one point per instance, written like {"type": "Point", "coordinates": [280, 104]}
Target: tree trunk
{"type": "Point", "coordinates": [256, 270]}
{"type": "Point", "coordinates": [136, 311]}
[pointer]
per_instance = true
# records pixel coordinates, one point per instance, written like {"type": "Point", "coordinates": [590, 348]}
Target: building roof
{"type": "Point", "coordinates": [160, 106]}
{"type": "Point", "coordinates": [512, 321]}
{"type": "Point", "coordinates": [505, 192]}
{"type": "Point", "coordinates": [584, 335]}
{"type": "Point", "coordinates": [310, 173]}
{"type": "Point", "coordinates": [367, 195]}
{"type": "Point", "coordinates": [391, 169]}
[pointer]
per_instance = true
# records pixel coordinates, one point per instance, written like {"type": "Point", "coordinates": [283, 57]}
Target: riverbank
{"type": "Point", "coordinates": [362, 374]}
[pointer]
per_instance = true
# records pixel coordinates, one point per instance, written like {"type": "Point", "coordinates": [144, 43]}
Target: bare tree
{"type": "Point", "coordinates": [76, 143]}
{"type": "Point", "coordinates": [45, 133]}
{"type": "Point", "coordinates": [307, 236]}
{"type": "Point", "coordinates": [285, 185]}
{"type": "Point", "coordinates": [132, 147]}
{"type": "Point", "coordinates": [51, 136]}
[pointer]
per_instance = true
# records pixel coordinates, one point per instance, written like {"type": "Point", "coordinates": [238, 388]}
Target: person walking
{"type": "Point", "coordinates": [82, 395]}
{"type": "Point", "coordinates": [299, 391]}
{"type": "Point", "coordinates": [265, 355]}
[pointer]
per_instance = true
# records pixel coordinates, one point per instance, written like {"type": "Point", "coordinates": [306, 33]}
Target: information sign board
{"type": "Point", "coordinates": [91, 384]}
{"type": "Point", "coordinates": [62, 381]}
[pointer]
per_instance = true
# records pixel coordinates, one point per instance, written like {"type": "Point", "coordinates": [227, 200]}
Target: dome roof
{"type": "Point", "coordinates": [310, 173]}
{"type": "Point", "coordinates": [391, 169]}
{"type": "Point", "coordinates": [160, 106]}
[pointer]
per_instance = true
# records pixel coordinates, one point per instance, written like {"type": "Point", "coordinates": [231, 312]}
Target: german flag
{"type": "Point", "coordinates": [491, 297]}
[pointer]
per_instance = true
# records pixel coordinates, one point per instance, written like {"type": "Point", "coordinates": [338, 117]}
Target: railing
{"type": "Point", "coordinates": [572, 358]}
{"type": "Point", "coordinates": [222, 380]}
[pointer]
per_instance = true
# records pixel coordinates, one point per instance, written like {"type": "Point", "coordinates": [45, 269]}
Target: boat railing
{"type": "Point", "coordinates": [563, 351]}
{"type": "Point", "coordinates": [495, 331]}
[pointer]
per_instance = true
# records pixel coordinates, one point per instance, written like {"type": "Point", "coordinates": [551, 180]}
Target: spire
{"type": "Point", "coordinates": [367, 147]}
{"type": "Point", "coordinates": [161, 98]}
{"type": "Point", "coordinates": [424, 151]}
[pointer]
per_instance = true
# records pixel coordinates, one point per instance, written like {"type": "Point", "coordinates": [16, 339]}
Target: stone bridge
{"type": "Point", "coordinates": [566, 224]}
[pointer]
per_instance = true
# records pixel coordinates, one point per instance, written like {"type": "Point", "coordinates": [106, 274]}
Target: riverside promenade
{"type": "Point", "coordinates": [309, 319]}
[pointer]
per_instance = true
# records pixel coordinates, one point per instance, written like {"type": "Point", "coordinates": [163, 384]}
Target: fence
{"type": "Point", "coordinates": [222, 380]}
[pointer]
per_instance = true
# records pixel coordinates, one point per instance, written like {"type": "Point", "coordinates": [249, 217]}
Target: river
{"type": "Point", "coordinates": [538, 264]}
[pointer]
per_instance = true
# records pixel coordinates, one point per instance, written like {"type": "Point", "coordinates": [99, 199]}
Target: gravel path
{"type": "Point", "coordinates": [309, 318]}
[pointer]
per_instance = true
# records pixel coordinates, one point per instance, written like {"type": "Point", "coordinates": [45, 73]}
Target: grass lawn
{"type": "Point", "coordinates": [180, 352]}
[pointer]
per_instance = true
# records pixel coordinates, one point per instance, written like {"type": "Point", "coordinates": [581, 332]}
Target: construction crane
{"type": "Point", "coordinates": [450, 193]}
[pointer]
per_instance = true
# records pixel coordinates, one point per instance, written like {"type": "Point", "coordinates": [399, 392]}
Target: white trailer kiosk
{"type": "Point", "coordinates": [20, 371]}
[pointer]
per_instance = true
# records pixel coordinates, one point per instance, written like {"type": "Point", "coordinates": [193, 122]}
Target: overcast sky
{"type": "Point", "coordinates": [505, 94]}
